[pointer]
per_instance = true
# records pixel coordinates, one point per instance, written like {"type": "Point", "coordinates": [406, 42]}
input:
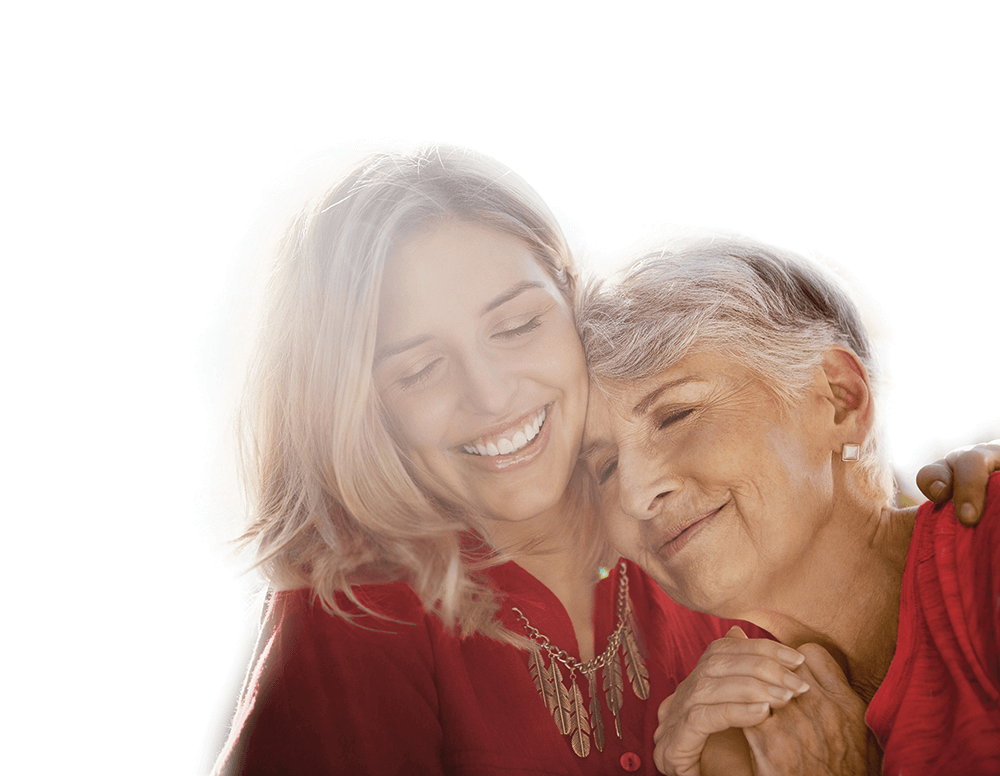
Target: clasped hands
{"type": "Point", "coordinates": [756, 706]}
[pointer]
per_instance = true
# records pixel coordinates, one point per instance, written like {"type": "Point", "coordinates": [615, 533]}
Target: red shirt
{"type": "Point", "coordinates": [378, 697]}
{"type": "Point", "coordinates": [938, 710]}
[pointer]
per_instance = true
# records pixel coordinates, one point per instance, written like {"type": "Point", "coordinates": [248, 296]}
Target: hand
{"type": "Point", "coordinates": [820, 732]}
{"type": "Point", "coordinates": [971, 467]}
{"type": "Point", "coordinates": [735, 684]}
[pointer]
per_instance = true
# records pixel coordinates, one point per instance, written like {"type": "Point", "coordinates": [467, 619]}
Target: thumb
{"type": "Point", "coordinates": [736, 632]}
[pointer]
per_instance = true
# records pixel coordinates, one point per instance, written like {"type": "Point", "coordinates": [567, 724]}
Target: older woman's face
{"type": "Point", "coordinates": [481, 368]}
{"type": "Point", "coordinates": [705, 481]}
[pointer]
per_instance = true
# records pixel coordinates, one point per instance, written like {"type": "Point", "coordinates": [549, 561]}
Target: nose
{"type": "Point", "coordinates": [645, 483]}
{"type": "Point", "coordinates": [487, 386]}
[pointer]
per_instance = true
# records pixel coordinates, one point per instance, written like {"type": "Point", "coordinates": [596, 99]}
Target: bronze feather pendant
{"type": "Point", "coordinates": [595, 711]}
{"type": "Point", "coordinates": [581, 728]}
{"type": "Point", "coordinates": [543, 681]}
{"type": "Point", "coordinates": [563, 711]}
{"type": "Point", "coordinates": [636, 667]}
{"type": "Point", "coordinates": [613, 686]}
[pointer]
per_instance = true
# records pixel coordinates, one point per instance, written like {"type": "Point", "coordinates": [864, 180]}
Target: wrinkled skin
{"type": "Point", "coordinates": [744, 683]}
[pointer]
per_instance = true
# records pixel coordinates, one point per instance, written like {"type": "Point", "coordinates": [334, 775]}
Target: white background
{"type": "Point", "coordinates": [147, 154]}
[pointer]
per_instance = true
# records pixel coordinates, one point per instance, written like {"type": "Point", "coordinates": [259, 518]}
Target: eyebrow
{"type": "Point", "coordinates": [515, 290]}
{"type": "Point", "coordinates": [393, 350]}
{"type": "Point", "coordinates": [647, 400]}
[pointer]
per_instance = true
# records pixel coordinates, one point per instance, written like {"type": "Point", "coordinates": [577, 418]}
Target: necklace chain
{"type": "Point", "coordinates": [583, 722]}
{"type": "Point", "coordinates": [567, 659]}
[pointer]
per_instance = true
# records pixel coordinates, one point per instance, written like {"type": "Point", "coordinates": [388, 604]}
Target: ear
{"type": "Point", "coordinates": [848, 390]}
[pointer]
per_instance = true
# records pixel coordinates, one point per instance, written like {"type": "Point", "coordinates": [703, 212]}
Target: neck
{"type": "Point", "coordinates": [545, 548]}
{"type": "Point", "coordinates": [843, 594]}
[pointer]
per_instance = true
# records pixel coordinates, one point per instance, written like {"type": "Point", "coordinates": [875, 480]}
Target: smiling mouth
{"type": "Point", "coordinates": [676, 540]}
{"type": "Point", "coordinates": [512, 440]}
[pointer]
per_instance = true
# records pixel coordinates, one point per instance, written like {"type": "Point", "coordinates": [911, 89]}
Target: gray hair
{"type": "Point", "coordinates": [771, 311]}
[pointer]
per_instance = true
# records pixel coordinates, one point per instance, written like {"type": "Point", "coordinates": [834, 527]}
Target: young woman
{"type": "Point", "coordinates": [411, 433]}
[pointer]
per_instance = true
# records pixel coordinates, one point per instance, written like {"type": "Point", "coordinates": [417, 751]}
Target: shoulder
{"type": "Point", "coordinates": [368, 614]}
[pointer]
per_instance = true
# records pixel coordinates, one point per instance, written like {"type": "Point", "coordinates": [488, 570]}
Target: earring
{"type": "Point", "coordinates": [850, 452]}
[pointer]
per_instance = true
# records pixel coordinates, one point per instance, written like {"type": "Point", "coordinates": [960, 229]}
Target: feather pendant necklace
{"type": "Point", "coordinates": [583, 723]}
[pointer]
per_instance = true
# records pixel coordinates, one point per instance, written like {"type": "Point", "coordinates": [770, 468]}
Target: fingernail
{"type": "Point", "coordinates": [967, 512]}
{"type": "Point", "coordinates": [796, 685]}
{"type": "Point", "coordinates": [780, 692]}
{"type": "Point", "coordinates": [937, 488]}
{"type": "Point", "coordinates": [760, 708]}
{"type": "Point", "coordinates": [790, 656]}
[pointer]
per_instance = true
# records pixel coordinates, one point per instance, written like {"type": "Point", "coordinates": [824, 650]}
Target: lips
{"type": "Point", "coordinates": [681, 534]}
{"type": "Point", "coordinates": [511, 440]}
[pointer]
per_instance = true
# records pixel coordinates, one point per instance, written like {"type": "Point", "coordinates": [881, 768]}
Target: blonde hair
{"type": "Point", "coordinates": [771, 311]}
{"type": "Point", "coordinates": [332, 500]}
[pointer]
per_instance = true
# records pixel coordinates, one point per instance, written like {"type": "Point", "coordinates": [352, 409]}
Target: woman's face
{"type": "Point", "coordinates": [707, 484]}
{"type": "Point", "coordinates": [481, 368]}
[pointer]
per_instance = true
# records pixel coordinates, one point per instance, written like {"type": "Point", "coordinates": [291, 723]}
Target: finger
{"type": "Point", "coordinates": [821, 669]}
{"type": "Point", "coordinates": [702, 721]}
{"type": "Point", "coordinates": [972, 469]}
{"type": "Point", "coordinates": [722, 716]}
{"type": "Point", "coordinates": [934, 481]}
{"type": "Point", "coordinates": [731, 644]}
{"type": "Point", "coordinates": [743, 689]}
{"type": "Point", "coordinates": [718, 668]}
{"type": "Point", "coordinates": [736, 632]}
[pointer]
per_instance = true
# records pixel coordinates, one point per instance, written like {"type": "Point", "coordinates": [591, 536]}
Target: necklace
{"type": "Point", "coordinates": [566, 703]}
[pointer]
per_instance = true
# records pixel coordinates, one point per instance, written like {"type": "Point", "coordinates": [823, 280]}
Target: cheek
{"type": "Point", "coordinates": [418, 424]}
{"type": "Point", "coordinates": [624, 533]}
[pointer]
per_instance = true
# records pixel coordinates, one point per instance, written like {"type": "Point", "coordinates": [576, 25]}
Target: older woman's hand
{"type": "Point", "coordinates": [821, 732]}
{"type": "Point", "coordinates": [961, 476]}
{"type": "Point", "coordinates": [735, 684]}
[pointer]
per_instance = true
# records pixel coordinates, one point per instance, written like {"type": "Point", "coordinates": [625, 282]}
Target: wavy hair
{"type": "Point", "coordinates": [769, 310]}
{"type": "Point", "coordinates": [333, 502]}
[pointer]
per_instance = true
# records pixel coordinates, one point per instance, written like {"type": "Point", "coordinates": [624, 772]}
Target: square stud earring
{"type": "Point", "coordinates": [850, 452]}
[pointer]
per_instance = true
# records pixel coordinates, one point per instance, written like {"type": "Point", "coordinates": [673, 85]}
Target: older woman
{"type": "Point", "coordinates": [734, 436]}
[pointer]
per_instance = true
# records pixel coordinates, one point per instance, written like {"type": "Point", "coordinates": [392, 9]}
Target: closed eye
{"type": "Point", "coordinates": [534, 323]}
{"type": "Point", "coordinates": [607, 470]}
{"type": "Point", "coordinates": [673, 417]}
{"type": "Point", "coordinates": [418, 377]}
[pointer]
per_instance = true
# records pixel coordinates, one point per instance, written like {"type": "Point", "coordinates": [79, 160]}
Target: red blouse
{"type": "Point", "coordinates": [938, 709]}
{"type": "Point", "coordinates": [402, 695]}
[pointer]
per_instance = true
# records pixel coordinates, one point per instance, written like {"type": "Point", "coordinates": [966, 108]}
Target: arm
{"type": "Point", "coordinates": [962, 475]}
{"type": "Point", "coordinates": [328, 696]}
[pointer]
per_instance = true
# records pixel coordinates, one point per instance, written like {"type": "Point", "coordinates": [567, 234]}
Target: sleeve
{"type": "Point", "coordinates": [329, 696]}
{"type": "Point", "coordinates": [978, 564]}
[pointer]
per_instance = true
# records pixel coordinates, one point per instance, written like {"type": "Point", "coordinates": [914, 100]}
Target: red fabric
{"type": "Point", "coordinates": [378, 697]}
{"type": "Point", "coordinates": [938, 710]}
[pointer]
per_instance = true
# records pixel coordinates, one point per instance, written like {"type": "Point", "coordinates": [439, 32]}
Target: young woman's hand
{"type": "Point", "coordinates": [961, 476]}
{"type": "Point", "coordinates": [735, 685]}
{"type": "Point", "coordinates": [821, 732]}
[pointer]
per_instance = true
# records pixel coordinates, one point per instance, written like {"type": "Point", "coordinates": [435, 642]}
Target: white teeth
{"type": "Point", "coordinates": [504, 446]}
